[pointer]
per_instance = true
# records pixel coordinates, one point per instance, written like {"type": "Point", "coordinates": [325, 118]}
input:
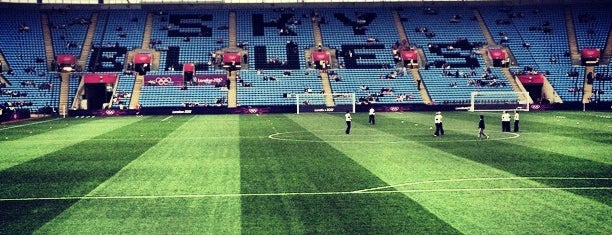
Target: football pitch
{"type": "Point", "coordinates": [300, 174]}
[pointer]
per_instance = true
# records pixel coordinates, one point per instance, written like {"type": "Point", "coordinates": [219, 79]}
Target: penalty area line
{"type": "Point", "coordinates": [196, 196]}
{"type": "Point", "coordinates": [165, 119]}
{"type": "Point", "coordinates": [29, 124]}
{"type": "Point", "coordinates": [480, 179]}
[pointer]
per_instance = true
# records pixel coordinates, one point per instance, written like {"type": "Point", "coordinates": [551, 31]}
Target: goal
{"type": "Point", "coordinates": [335, 102]}
{"type": "Point", "coordinates": [499, 101]}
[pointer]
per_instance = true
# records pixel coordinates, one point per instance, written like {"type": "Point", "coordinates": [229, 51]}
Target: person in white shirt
{"type": "Point", "coordinates": [347, 118]}
{"type": "Point", "coordinates": [516, 121]}
{"type": "Point", "coordinates": [505, 118]}
{"type": "Point", "coordinates": [372, 119]}
{"type": "Point", "coordinates": [438, 123]}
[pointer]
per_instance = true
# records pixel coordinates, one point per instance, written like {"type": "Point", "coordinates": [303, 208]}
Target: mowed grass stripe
{"type": "Point", "coordinates": [546, 132]}
{"type": "Point", "coordinates": [411, 165]}
{"type": "Point", "coordinates": [72, 171]}
{"type": "Point", "coordinates": [25, 143]}
{"type": "Point", "coordinates": [531, 162]}
{"type": "Point", "coordinates": [588, 126]}
{"type": "Point", "coordinates": [269, 166]}
{"type": "Point", "coordinates": [528, 161]}
{"type": "Point", "coordinates": [196, 158]}
{"type": "Point", "coordinates": [18, 130]}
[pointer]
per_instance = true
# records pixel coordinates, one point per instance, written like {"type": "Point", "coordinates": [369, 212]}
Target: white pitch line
{"type": "Point", "coordinates": [479, 179]}
{"type": "Point", "coordinates": [163, 120]}
{"type": "Point", "coordinates": [33, 123]}
{"type": "Point", "coordinates": [437, 140]}
{"type": "Point", "coordinates": [300, 193]}
{"type": "Point", "coordinates": [139, 139]}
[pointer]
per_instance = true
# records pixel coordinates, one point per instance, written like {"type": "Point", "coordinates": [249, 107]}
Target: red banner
{"type": "Point", "coordinates": [531, 79]}
{"type": "Point", "coordinates": [142, 58]}
{"type": "Point", "coordinates": [409, 55]}
{"type": "Point", "coordinates": [229, 57]}
{"type": "Point", "coordinates": [66, 59]}
{"type": "Point", "coordinates": [320, 56]}
{"type": "Point", "coordinates": [188, 67]}
{"type": "Point", "coordinates": [178, 80]}
{"type": "Point", "coordinates": [100, 78]}
{"type": "Point", "coordinates": [590, 53]}
{"type": "Point", "coordinates": [497, 54]}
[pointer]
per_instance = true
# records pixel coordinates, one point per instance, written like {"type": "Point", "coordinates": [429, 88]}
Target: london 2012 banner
{"type": "Point", "coordinates": [178, 80]}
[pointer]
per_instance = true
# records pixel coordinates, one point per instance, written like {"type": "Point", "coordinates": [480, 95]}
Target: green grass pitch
{"type": "Point", "coordinates": [300, 174]}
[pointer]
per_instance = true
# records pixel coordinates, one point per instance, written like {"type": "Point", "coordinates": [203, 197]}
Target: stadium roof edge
{"type": "Point", "coordinates": [217, 5]}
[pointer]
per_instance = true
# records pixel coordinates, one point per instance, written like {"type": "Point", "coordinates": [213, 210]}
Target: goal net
{"type": "Point", "coordinates": [499, 101]}
{"type": "Point", "coordinates": [336, 102]}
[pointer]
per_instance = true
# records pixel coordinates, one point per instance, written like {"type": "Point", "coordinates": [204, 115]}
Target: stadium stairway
{"type": "Point", "coordinates": [232, 41]}
{"type": "Point", "coordinates": [76, 100]}
{"type": "Point", "coordinates": [232, 92]}
{"type": "Point", "coordinates": [146, 37]}
{"type": "Point", "coordinates": [88, 40]}
{"type": "Point", "coordinates": [232, 101]}
{"type": "Point", "coordinates": [571, 35]}
{"type": "Point", "coordinates": [316, 33]}
{"type": "Point", "coordinates": [5, 65]}
{"type": "Point", "coordinates": [155, 57]}
{"type": "Point", "coordinates": [587, 87]}
{"type": "Point", "coordinates": [484, 28]}
{"type": "Point", "coordinates": [400, 27]}
{"type": "Point", "coordinates": [605, 58]}
{"type": "Point", "coordinates": [329, 100]}
{"type": "Point", "coordinates": [318, 40]}
{"type": "Point", "coordinates": [3, 80]}
{"type": "Point", "coordinates": [135, 99]}
{"type": "Point", "coordinates": [422, 90]}
{"type": "Point", "coordinates": [517, 86]}
{"type": "Point", "coordinates": [549, 93]}
{"type": "Point", "coordinates": [64, 93]}
{"type": "Point", "coordinates": [47, 40]}
{"type": "Point", "coordinates": [401, 33]}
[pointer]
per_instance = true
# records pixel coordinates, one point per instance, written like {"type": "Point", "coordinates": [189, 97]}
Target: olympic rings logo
{"type": "Point", "coordinates": [162, 81]}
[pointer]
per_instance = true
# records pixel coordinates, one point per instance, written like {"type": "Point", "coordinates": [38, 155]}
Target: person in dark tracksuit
{"type": "Point", "coordinates": [481, 128]}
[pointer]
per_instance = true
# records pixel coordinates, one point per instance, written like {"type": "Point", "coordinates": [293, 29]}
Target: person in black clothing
{"type": "Point", "coordinates": [481, 128]}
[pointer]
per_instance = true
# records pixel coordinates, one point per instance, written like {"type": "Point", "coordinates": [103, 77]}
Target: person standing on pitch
{"type": "Point", "coordinates": [481, 128]}
{"type": "Point", "coordinates": [438, 123]}
{"type": "Point", "coordinates": [372, 119]}
{"type": "Point", "coordinates": [505, 118]}
{"type": "Point", "coordinates": [516, 121]}
{"type": "Point", "coordinates": [347, 118]}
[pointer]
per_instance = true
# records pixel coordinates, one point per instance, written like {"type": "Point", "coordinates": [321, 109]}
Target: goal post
{"type": "Point", "coordinates": [499, 101]}
{"type": "Point", "coordinates": [318, 102]}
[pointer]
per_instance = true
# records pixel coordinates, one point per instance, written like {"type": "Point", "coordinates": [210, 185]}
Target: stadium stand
{"type": "Point", "coordinates": [21, 43]}
{"type": "Point", "coordinates": [188, 36]}
{"type": "Point", "coordinates": [277, 39]}
{"type": "Point", "coordinates": [538, 39]}
{"type": "Point", "coordinates": [274, 87]}
{"type": "Point", "coordinates": [592, 25]}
